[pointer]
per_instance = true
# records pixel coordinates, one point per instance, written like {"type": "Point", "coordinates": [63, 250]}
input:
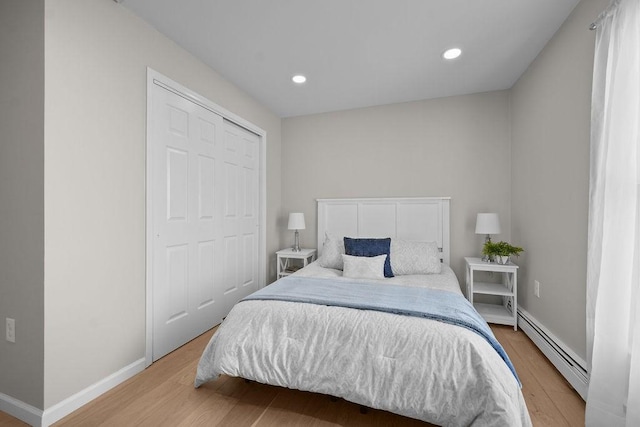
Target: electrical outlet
{"type": "Point", "coordinates": [11, 330]}
{"type": "Point", "coordinates": [536, 288]}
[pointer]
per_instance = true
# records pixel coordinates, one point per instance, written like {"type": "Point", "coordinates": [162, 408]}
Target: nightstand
{"type": "Point", "coordinates": [505, 313]}
{"type": "Point", "coordinates": [285, 267]}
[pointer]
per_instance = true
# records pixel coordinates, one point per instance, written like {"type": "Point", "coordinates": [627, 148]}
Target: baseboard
{"type": "Point", "coordinates": [20, 410]}
{"type": "Point", "coordinates": [67, 406]}
{"type": "Point", "coordinates": [570, 365]}
{"type": "Point", "coordinates": [38, 418]}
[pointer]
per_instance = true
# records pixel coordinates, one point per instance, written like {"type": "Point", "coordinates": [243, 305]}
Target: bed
{"type": "Point", "coordinates": [389, 343]}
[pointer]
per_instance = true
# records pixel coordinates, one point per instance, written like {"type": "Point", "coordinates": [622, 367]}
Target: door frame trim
{"type": "Point", "coordinates": [155, 78]}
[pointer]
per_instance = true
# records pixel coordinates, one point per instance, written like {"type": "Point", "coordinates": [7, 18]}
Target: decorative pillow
{"type": "Point", "coordinates": [332, 251]}
{"type": "Point", "coordinates": [362, 267]}
{"type": "Point", "coordinates": [369, 248]}
{"type": "Point", "coordinates": [415, 257]}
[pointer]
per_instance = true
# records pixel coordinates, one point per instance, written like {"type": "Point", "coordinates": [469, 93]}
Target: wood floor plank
{"type": "Point", "coordinates": [536, 384]}
{"type": "Point", "coordinates": [301, 408]}
{"type": "Point", "coordinates": [563, 396]}
{"type": "Point", "coordinates": [7, 420]}
{"type": "Point", "coordinates": [570, 405]}
{"type": "Point", "coordinates": [541, 408]}
{"type": "Point", "coordinates": [532, 355]}
{"type": "Point", "coordinates": [248, 407]}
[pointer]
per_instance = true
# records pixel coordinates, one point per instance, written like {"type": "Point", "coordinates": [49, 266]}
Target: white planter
{"type": "Point", "coordinates": [502, 259]}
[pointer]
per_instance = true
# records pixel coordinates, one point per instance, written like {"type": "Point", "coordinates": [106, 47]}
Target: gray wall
{"type": "Point", "coordinates": [96, 54]}
{"type": "Point", "coordinates": [523, 153]}
{"type": "Point", "coordinates": [550, 109]}
{"type": "Point", "coordinates": [457, 146]}
{"type": "Point", "coordinates": [22, 197]}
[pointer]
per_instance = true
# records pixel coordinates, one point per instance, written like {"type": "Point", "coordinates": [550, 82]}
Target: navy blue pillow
{"type": "Point", "coordinates": [369, 248]}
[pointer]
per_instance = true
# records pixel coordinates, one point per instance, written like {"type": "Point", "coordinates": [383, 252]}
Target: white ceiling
{"type": "Point", "coordinates": [358, 53]}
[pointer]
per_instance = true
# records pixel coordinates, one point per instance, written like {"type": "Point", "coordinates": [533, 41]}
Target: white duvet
{"type": "Point", "coordinates": [420, 368]}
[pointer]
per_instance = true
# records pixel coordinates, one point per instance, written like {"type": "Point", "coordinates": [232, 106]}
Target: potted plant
{"type": "Point", "coordinates": [500, 251]}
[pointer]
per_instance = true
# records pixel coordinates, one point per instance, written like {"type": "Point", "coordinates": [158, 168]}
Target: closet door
{"type": "Point", "coordinates": [188, 255]}
{"type": "Point", "coordinates": [240, 213]}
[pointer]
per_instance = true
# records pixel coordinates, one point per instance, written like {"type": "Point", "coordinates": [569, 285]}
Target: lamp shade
{"type": "Point", "coordinates": [296, 221]}
{"type": "Point", "coordinates": [487, 223]}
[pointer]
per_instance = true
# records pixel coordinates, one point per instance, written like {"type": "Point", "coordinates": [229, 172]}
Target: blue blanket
{"type": "Point", "coordinates": [443, 306]}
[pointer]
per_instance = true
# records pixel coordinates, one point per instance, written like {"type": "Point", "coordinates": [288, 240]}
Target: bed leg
{"type": "Point", "coordinates": [363, 409]}
{"type": "Point", "coordinates": [247, 381]}
{"type": "Point", "coordinates": [333, 398]}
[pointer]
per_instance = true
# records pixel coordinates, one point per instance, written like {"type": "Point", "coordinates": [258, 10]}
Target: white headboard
{"type": "Point", "coordinates": [421, 219]}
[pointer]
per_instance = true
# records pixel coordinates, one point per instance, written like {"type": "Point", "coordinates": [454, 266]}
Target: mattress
{"type": "Point", "coordinates": [421, 368]}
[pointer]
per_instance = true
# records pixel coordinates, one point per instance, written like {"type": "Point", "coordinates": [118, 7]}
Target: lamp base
{"type": "Point", "coordinates": [296, 245]}
{"type": "Point", "coordinates": [486, 258]}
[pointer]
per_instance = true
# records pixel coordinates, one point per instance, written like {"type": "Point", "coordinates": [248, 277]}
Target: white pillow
{"type": "Point", "coordinates": [362, 267]}
{"type": "Point", "coordinates": [332, 251]}
{"type": "Point", "coordinates": [414, 257]}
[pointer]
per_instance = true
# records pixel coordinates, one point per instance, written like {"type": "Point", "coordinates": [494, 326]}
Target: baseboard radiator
{"type": "Point", "coordinates": [570, 365]}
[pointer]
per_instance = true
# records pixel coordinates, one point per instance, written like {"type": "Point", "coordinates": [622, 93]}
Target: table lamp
{"type": "Point", "coordinates": [488, 224]}
{"type": "Point", "coordinates": [296, 222]}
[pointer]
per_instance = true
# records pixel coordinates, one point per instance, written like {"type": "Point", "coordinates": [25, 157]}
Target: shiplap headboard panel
{"type": "Point", "coordinates": [421, 219]}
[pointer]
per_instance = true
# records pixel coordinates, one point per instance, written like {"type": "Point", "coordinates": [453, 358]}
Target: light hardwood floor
{"type": "Point", "coordinates": [163, 395]}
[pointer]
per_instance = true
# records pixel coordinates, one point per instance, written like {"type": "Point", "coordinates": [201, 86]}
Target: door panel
{"type": "Point", "coordinates": [177, 282]}
{"type": "Point", "coordinates": [206, 187]}
{"type": "Point", "coordinates": [186, 298]}
{"type": "Point", "coordinates": [206, 277]}
{"type": "Point", "coordinates": [230, 264]}
{"type": "Point", "coordinates": [248, 267]}
{"type": "Point", "coordinates": [241, 219]}
{"type": "Point", "coordinates": [177, 180]}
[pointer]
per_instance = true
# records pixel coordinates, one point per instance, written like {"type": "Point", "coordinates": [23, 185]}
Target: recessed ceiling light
{"type": "Point", "coordinates": [299, 78]}
{"type": "Point", "coordinates": [452, 53]}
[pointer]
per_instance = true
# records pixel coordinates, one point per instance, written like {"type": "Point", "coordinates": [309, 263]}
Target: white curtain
{"type": "Point", "coordinates": [613, 275]}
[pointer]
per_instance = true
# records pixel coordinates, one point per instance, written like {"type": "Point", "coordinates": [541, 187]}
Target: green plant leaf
{"type": "Point", "coordinates": [501, 249]}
